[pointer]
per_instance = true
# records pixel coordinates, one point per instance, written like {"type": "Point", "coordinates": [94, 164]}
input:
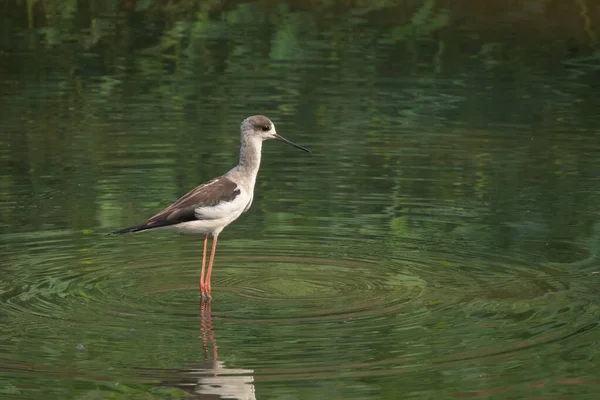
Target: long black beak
{"type": "Point", "coordinates": [284, 140]}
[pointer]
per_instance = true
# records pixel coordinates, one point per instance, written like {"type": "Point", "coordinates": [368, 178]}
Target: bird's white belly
{"type": "Point", "coordinates": [214, 219]}
{"type": "Point", "coordinates": [204, 226]}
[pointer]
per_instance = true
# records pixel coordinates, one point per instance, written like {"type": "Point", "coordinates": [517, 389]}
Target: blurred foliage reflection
{"type": "Point", "coordinates": [445, 228]}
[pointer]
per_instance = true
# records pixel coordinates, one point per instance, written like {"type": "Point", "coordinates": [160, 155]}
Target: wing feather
{"type": "Point", "coordinates": [214, 194]}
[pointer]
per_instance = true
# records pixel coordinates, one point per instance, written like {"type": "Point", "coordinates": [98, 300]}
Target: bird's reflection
{"type": "Point", "coordinates": [208, 335]}
{"type": "Point", "coordinates": [210, 379]}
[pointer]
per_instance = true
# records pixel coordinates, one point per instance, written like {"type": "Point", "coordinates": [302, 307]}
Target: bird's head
{"type": "Point", "coordinates": [259, 126]}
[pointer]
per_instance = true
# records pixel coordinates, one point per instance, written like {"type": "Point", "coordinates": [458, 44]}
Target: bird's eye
{"type": "Point", "coordinates": [265, 128]}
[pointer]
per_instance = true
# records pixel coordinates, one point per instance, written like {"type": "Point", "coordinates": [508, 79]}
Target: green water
{"type": "Point", "coordinates": [440, 242]}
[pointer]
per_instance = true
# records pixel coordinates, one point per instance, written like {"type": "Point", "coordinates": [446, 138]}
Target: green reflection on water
{"type": "Point", "coordinates": [441, 241]}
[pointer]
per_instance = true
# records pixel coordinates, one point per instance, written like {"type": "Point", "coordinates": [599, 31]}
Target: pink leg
{"type": "Point", "coordinates": [210, 265]}
{"type": "Point", "coordinates": [202, 286]}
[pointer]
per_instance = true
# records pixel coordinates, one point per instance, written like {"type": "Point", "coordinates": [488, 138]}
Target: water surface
{"type": "Point", "coordinates": [441, 241]}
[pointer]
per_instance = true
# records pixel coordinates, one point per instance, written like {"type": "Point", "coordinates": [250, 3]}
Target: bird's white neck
{"type": "Point", "coordinates": [247, 169]}
{"type": "Point", "coordinates": [250, 154]}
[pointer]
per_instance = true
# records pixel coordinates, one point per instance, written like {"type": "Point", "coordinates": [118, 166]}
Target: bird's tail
{"type": "Point", "coordinates": [135, 228]}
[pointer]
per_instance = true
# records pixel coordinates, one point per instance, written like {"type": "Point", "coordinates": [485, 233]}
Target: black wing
{"type": "Point", "coordinates": [209, 194]}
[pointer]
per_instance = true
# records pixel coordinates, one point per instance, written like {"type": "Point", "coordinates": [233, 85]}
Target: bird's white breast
{"type": "Point", "coordinates": [213, 219]}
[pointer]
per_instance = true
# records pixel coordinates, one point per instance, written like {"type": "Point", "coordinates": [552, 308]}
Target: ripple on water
{"type": "Point", "coordinates": [389, 311]}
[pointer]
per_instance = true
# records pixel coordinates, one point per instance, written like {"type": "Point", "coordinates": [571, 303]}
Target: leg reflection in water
{"type": "Point", "coordinates": [210, 379]}
{"type": "Point", "coordinates": [215, 381]}
{"type": "Point", "coordinates": [208, 335]}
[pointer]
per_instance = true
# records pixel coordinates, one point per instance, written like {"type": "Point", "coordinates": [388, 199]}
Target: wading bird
{"type": "Point", "coordinates": [210, 207]}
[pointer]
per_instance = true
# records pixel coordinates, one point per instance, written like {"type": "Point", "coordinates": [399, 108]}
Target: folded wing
{"type": "Point", "coordinates": [210, 200]}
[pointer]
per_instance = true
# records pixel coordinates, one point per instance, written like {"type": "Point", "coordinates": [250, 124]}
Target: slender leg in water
{"type": "Point", "coordinates": [202, 286]}
{"type": "Point", "coordinates": [210, 265]}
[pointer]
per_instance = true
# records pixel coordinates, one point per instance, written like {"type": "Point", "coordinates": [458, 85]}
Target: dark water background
{"type": "Point", "coordinates": [441, 241]}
